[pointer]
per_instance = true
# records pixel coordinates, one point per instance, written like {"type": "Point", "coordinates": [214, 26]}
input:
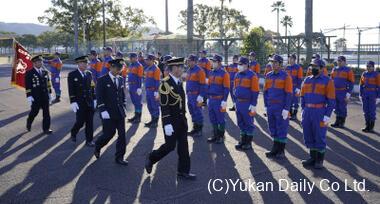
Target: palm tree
{"type": "Point", "coordinates": [287, 21]}
{"type": "Point", "coordinates": [278, 6]}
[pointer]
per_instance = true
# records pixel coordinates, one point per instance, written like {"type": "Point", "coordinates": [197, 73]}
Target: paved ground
{"type": "Point", "coordinates": [36, 168]}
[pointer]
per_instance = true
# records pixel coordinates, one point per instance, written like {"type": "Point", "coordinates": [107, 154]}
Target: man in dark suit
{"type": "Point", "coordinates": [174, 122]}
{"type": "Point", "coordinates": [110, 94]}
{"type": "Point", "coordinates": [38, 93]}
{"type": "Point", "coordinates": [82, 99]}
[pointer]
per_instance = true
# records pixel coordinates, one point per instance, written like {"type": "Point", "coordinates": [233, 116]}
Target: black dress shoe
{"type": "Point", "coordinates": [74, 139]}
{"type": "Point", "coordinates": [186, 176]}
{"type": "Point", "coordinates": [121, 162]}
{"type": "Point", "coordinates": [48, 132]}
{"type": "Point", "coordinates": [28, 128]}
{"type": "Point", "coordinates": [148, 165]}
{"type": "Point", "coordinates": [97, 153]}
{"type": "Point", "coordinates": [90, 144]}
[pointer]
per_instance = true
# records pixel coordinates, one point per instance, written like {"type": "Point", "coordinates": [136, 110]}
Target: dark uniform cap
{"type": "Point", "coordinates": [81, 59]}
{"type": "Point", "coordinates": [317, 62]}
{"type": "Point", "coordinates": [235, 57]}
{"type": "Point", "coordinates": [217, 58]}
{"type": "Point", "coordinates": [37, 58]}
{"type": "Point", "coordinates": [252, 54]}
{"type": "Point", "coordinates": [57, 53]}
{"type": "Point", "coordinates": [192, 58]}
{"type": "Point", "coordinates": [341, 58]}
{"type": "Point", "coordinates": [316, 56]}
{"type": "Point", "coordinates": [176, 61]}
{"type": "Point", "coordinates": [119, 54]}
{"type": "Point", "coordinates": [118, 63]}
{"type": "Point", "coordinates": [203, 52]}
{"type": "Point", "coordinates": [167, 57]}
{"type": "Point", "coordinates": [277, 58]}
{"type": "Point", "coordinates": [108, 49]}
{"type": "Point", "coordinates": [132, 55]}
{"type": "Point", "coordinates": [93, 52]}
{"type": "Point", "coordinates": [371, 63]}
{"type": "Point", "coordinates": [150, 57]}
{"type": "Point", "coordinates": [243, 60]}
{"type": "Point", "coordinates": [294, 56]}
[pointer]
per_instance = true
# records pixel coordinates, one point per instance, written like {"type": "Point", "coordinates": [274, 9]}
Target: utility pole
{"type": "Point", "coordinates": [76, 52]}
{"type": "Point", "coordinates": [309, 29]}
{"type": "Point", "coordinates": [190, 24]}
{"type": "Point", "coordinates": [360, 33]}
{"type": "Point", "coordinates": [166, 17]}
{"type": "Point", "coordinates": [104, 24]}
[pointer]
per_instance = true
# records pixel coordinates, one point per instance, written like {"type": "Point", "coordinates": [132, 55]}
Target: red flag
{"type": "Point", "coordinates": [21, 63]}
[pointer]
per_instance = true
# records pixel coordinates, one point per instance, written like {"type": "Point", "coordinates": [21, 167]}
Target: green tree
{"type": "Point", "coordinates": [29, 41]}
{"type": "Point", "coordinates": [202, 20]}
{"type": "Point", "coordinates": [287, 21]}
{"type": "Point", "coordinates": [258, 41]}
{"type": "Point", "coordinates": [278, 6]}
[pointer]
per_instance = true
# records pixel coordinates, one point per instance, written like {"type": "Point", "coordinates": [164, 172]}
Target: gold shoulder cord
{"type": "Point", "coordinates": [165, 89]}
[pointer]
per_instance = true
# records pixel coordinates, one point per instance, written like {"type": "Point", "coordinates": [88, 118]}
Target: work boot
{"type": "Point", "coordinates": [367, 126]}
{"type": "Point", "coordinates": [198, 133]}
{"type": "Point", "coordinates": [248, 143]}
{"type": "Point", "coordinates": [138, 118]}
{"type": "Point", "coordinates": [57, 99]}
{"type": "Point", "coordinates": [371, 125]}
{"type": "Point", "coordinates": [281, 150]}
{"type": "Point", "coordinates": [310, 162]}
{"type": "Point", "coordinates": [319, 160]}
{"type": "Point", "coordinates": [131, 120]}
{"type": "Point", "coordinates": [337, 122]}
{"type": "Point", "coordinates": [220, 137]}
{"type": "Point", "coordinates": [212, 139]}
{"type": "Point", "coordinates": [194, 130]}
{"type": "Point", "coordinates": [243, 140]}
{"type": "Point", "coordinates": [152, 123]}
{"type": "Point", "coordinates": [342, 121]}
{"type": "Point", "coordinates": [273, 151]}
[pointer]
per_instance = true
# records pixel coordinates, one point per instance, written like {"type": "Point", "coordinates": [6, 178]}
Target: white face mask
{"type": "Point", "coordinates": [241, 68]}
{"type": "Point", "coordinates": [214, 65]}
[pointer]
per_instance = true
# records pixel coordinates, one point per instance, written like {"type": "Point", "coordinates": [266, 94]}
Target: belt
{"type": "Point", "coordinates": [319, 105]}
{"type": "Point", "coordinates": [133, 82]}
{"type": "Point", "coordinates": [193, 92]}
{"type": "Point", "coordinates": [242, 99]}
{"type": "Point", "coordinates": [216, 97]}
{"type": "Point", "coordinates": [151, 88]}
{"type": "Point", "coordinates": [275, 101]}
{"type": "Point", "coordinates": [340, 89]}
{"type": "Point", "coordinates": [370, 89]}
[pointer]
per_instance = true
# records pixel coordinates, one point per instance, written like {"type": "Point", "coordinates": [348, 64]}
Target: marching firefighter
{"type": "Point", "coordinates": [95, 65]}
{"type": "Point", "coordinates": [254, 65]}
{"type": "Point", "coordinates": [278, 90]}
{"type": "Point", "coordinates": [107, 52]}
{"type": "Point", "coordinates": [324, 69]}
{"type": "Point", "coordinates": [206, 65]}
{"type": "Point", "coordinates": [195, 91]}
{"type": "Point", "coordinates": [38, 94]}
{"type": "Point", "coordinates": [152, 82]}
{"type": "Point", "coordinates": [232, 69]}
{"type": "Point", "coordinates": [218, 89]}
{"type": "Point", "coordinates": [344, 83]}
{"type": "Point", "coordinates": [370, 95]}
{"type": "Point", "coordinates": [55, 66]}
{"type": "Point", "coordinates": [317, 103]}
{"type": "Point", "coordinates": [135, 76]}
{"type": "Point", "coordinates": [246, 92]}
{"type": "Point", "coordinates": [296, 72]}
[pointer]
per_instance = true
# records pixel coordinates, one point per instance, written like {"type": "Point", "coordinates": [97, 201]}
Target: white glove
{"type": "Point", "coordinates": [168, 130]}
{"type": "Point", "coordinates": [156, 94]}
{"type": "Point", "coordinates": [95, 103]}
{"type": "Point", "coordinates": [297, 90]}
{"type": "Point", "coordinates": [50, 99]}
{"type": "Point", "coordinates": [30, 100]}
{"type": "Point", "coordinates": [74, 107]}
{"type": "Point", "coordinates": [207, 102]}
{"type": "Point", "coordinates": [223, 105]}
{"type": "Point", "coordinates": [377, 101]}
{"type": "Point", "coordinates": [139, 91]}
{"type": "Point", "coordinates": [200, 99]}
{"type": "Point", "coordinates": [105, 115]}
{"type": "Point", "coordinates": [326, 120]}
{"type": "Point", "coordinates": [348, 95]}
{"type": "Point", "coordinates": [265, 109]}
{"type": "Point", "coordinates": [285, 114]}
{"type": "Point", "coordinates": [252, 108]}
{"type": "Point", "coordinates": [206, 80]}
{"type": "Point", "coordinates": [56, 80]}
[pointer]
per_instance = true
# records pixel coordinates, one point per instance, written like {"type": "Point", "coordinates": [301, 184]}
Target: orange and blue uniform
{"type": "Point", "coordinates": [324, 72]}
{"type": "Point", "coordinates": [205, 64]}
{"type": "Point", "coordinates": [268, 68]}
{"type": "Point", "coordinates": [296, 72]}
{"type": "Point", "coordinates": [344, 83]}
{"type": "Point", "coordinates": [218, 89]}
{"type": "Point", "coordinates": [232, 69]}
{"type": "Point", "coordinates": [135, 75]}
{"type": "Point", "coordinates": [95, 68]}
{"type": "Point", "coordinates": [195, 86]}
{"type": "Point", "coordinates": [152, 82]}
{"type": "Point", "coordinates": [246, 92]}
{"type": "Point", "coordinates": [278, 91]}
{"type": "Point", "coordinates": [369, 92]}
{"type": "Point", "coordinates": [106, 66]}
{"type": "Point", "coordinates": [255, 67]}
{"type": "Point", "coordinates": [55, 67]}
{"type": "Point", "coordinates": [317, 101]}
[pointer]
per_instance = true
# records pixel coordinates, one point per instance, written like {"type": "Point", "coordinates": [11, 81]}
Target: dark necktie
{"type": "Point", "coordinates": [114, 82]}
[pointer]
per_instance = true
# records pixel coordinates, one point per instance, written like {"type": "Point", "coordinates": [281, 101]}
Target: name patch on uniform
{"type": "Point", "coordinates": [75, 79]}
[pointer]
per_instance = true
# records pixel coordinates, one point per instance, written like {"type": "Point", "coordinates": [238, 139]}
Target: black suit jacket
{"type": "Point", "coordinates": [81, 89]}
{"type": "Point", "coordinates": [38, 86]}
{"type": "Point", "coordinates": [173, 101]}
{"type": "Point", "coordinates": [110, 98]}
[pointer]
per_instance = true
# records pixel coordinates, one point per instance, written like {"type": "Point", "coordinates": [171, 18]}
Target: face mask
{"type": "Point", "coordinates": [215, 65]}
{"type": "Point", "coordinates": [240, 68]}
{"type": "Point", "coordinates": [314, 71]}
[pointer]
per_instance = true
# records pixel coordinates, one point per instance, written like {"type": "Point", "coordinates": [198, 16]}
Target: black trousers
{"type": "Point", "coordinates": [84, 116]}
{"type": "Point", "coordinates": [109, 129]}
{"type": "Point", "coordinates": [35, 108]}
{"type": "Point", "coordinates": [179, 139]}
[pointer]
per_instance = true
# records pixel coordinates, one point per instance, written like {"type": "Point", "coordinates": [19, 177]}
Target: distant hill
{"type": "Point", "coordinates": [24, 28]}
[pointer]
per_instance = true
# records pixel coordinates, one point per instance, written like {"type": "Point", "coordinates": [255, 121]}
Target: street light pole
{"type": "Point", "coordinates": [76, 52]}
{"type": "Point", "coordinates": [104, 24]}
{"type": "Point", "coordinates": [360, 34]}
